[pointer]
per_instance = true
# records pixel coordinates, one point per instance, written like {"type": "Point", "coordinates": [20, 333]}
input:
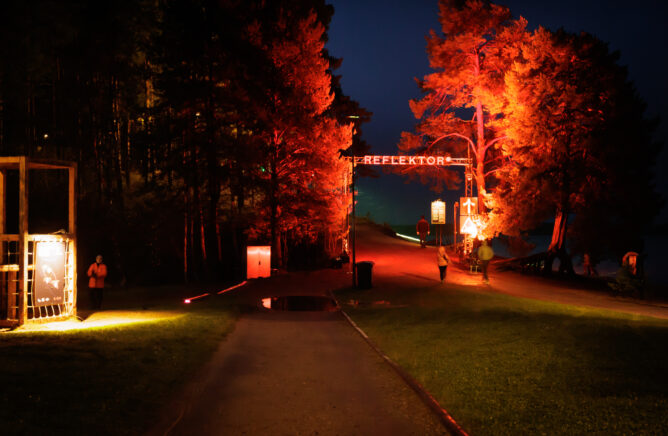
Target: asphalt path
{"type": "Point", "coordinates": [398, 262]}
{"type": "Point", "coordinates": [296, 373]}
{"type": "Point", "coordinates": [311, 373]}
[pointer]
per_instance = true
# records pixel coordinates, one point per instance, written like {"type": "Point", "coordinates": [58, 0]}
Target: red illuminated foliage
{"type": "Point", "coordinates": [464, 96]}
{"type": "Point", "coordinates": [306, 179]}
{"type": "Point", "coordinates": [565, 97]}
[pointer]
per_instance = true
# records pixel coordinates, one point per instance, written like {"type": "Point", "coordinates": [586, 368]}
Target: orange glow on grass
{"type": "Point", "coordinates": [100, 320]}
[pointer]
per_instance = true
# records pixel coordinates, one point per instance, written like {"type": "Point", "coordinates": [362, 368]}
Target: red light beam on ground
{"type": "Point", "coordinates": [232, 287]}
{"type": "Point", "coordinates": [409, 238]}
{"type": "Point", "coordinates": [191, 299]}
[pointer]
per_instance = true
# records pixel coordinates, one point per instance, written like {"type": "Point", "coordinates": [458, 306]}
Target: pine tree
{"type": "Point", "coordinates": [302, 140]}
{"type": "Point", "coordinates": [566, 97]}
{"type": "Point", "coordinates": [461, 110]}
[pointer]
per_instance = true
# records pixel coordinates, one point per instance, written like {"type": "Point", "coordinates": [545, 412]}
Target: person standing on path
{"type": "Point", "coordinates": [443, 261]}
{"type": "Point", "coordinates": [96, 273]}
{"type": "Point", "coordinates": [485, 254]}
{"type": "Point", "coordinates": [588, 265]}
{"type": "Point", "coordinates": [422, 231]}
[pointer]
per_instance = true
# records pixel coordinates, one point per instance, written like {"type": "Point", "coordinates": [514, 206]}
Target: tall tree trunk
{"type": "Point", "coordinates": [557, 247]}
{"type": "Point", "coordinates": [273, 204]}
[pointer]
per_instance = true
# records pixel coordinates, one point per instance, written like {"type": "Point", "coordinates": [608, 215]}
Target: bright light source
{"type": "Point", "coordinates": [191, 299]}
{"type": "Point", "coordinates": [50, 249]}
{"type": "Point", "coordinates": [438, 212]}
{"type": "Point", "coordinates": [410, 238]}
{"type": "Point", "coordinates": [258, 261]}
{"type": "Point", "coordinates": [46, 136]}
{"type": "Point", "coordinates": [469, 228]}
{"type": "Point", "coordinates": [266, 303]}
{"type": "Point", "coordinates": [448, 159]}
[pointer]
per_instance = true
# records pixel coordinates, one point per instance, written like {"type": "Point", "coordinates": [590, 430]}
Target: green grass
{"type": "Point", "coordinates": [109, 380]}
{"type": "Point", "coordinates": [502, 365]}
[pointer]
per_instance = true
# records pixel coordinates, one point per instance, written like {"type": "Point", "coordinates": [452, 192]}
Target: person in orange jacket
{"type": "Point", "coordinates": [97, 272]}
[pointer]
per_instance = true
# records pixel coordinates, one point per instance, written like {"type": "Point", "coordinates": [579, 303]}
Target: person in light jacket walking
{"type": "Point", "coordinates": [97, 272]}
{"type": "Point", "coordinates": [443, 261]}
{"type": "Point", "coordinates": [485, 254]}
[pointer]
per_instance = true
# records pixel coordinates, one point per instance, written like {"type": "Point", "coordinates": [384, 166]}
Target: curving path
{"type": "Point", "coordinates": [402, 262]}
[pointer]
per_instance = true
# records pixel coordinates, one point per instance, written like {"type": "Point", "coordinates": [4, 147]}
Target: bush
{"type": "Point", "coordinates": [626, 284]}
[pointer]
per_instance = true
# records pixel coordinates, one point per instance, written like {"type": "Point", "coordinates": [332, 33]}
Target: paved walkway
{"type": "Point", "coordinates": [404, 263]}
{"type": "Point", "coordinates": [310, 373]}
{"type": "Point", "coordinates": [297, 373]}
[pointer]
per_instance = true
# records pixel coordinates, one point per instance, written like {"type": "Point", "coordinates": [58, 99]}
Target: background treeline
{"type": "Point", "coordinates": [199, 127]}
{"type": "Point", "coordinates": [555, 129]}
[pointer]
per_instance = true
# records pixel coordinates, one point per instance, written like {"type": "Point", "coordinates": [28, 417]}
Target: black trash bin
{"type": "Point", "coordinates": [364, 274]}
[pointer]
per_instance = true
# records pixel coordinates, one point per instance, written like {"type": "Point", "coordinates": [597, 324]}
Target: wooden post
{"type": "Point", "coordinates": [72, 230]}
{"type": "Point", "coordinates": [23, 240]}
{"type": "Point", "coordinates": [3, 202]}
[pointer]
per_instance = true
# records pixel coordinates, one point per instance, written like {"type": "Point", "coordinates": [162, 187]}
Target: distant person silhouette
{"type": "Point", "coordinates": [422, 231]}
{"type": "Point", "coordinates": [97, 272]}
{"type": "Point", "coordinates": [588, 265]}
{"type": "Point", "coordinates": [485, 254]}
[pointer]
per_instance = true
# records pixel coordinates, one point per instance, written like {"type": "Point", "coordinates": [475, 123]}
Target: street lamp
{"type": "Point", "coordinates": [454, 226]}
{"type": "Point", "coordinates": [352, 236]}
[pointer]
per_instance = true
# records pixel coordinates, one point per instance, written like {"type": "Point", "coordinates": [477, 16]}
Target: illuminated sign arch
{"type": "Point", "coordinates": [404, 160]}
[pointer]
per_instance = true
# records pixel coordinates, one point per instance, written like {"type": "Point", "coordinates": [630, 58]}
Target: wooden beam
{"type": "Point", "coordinates": [3, 201]}
{"type": "Point", "coordinates": [72, 200]}
{"type": "Point", "coordinates": [23, 240]}
{"type": "Point", "coordinates": [72, 171]}
{"type": "Point", "coordinates": [13, 163]}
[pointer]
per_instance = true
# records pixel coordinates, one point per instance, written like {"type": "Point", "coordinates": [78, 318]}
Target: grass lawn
{"type": "Point", "coordinates": [111, 379]}
{"type": "Point", "coordinates": [503, 365]}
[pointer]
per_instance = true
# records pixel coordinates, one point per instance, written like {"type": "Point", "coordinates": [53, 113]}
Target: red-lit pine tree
{"type": "Point", "coordinates": [305, 175]}
{"type": "Point", "coordinates": [462, 106]}
{"type": "Point", "coordinates": [565, 97]}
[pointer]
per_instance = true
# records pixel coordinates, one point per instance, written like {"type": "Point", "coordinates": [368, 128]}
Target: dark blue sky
{"type": "Point", "coordinates": [382, 44]}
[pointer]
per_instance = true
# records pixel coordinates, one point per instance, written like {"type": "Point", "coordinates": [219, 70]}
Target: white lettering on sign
{"type": "Point", "coordinates": [411, 160]}
{"type": "Point", "coordinates": [471, 205]}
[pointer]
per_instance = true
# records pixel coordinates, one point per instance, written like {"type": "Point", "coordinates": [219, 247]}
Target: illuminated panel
{"type": "Point", "coordinates": [49, 278]}
{"type": "Point", "coordinates": [469, 206]}
{"type": "Point", "coordinates": [258, 263]}
{"type": "Point", "coordinates": [469, 227]}
{"type": "Point", "coordinates": [438, 212]}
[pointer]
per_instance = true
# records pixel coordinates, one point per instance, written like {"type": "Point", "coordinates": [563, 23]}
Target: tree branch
{"type": "Point", "coordinates": [458, 135]}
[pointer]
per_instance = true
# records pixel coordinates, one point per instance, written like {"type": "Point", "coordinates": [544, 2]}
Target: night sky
{"type": "Point", "coordinates": [382, 44]}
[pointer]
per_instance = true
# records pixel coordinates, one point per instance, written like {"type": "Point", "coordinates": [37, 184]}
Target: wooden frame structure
{"type": "Point", "coordinates": [18, 254]}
